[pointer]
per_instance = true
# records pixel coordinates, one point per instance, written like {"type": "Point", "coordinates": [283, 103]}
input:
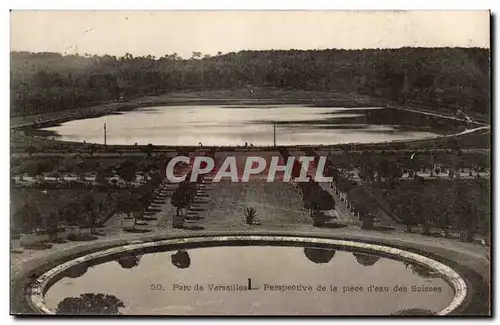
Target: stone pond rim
{"type": "Point", "coordinates": [49, 275]}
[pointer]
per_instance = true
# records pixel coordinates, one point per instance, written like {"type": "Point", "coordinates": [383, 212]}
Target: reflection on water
{"type": "Point", "coordinates": [90, 304]}
{"type": "Point", "coordinates": [219, 125]}
{"type": "Point", "coordinates": [365, 259]}
{"type": "Point", "coordinates": [319, 255]}
{"type": "Point", "coordinates": [78, 271]}
{"type": "Point", "coordinates": [422, 271]}
{"type": "Point", "coordinates": [181, 259]}
{"type": "Point", "coordinates": [129, 261]}
{"type": "Point", "coordinates": [414, 312]}
{"type": "Point", "coordinates": [164, 283]}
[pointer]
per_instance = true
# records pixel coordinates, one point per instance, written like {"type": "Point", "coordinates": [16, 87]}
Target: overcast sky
{"type": "Point", "coordinates": [161, 32]}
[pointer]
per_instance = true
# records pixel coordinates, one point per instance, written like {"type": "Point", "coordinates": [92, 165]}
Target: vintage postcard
{"type": "Point", "coordinates": [295, 163]}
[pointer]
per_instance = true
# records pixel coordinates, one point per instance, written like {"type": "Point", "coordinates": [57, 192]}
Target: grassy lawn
{"type": "Point", "coordinates": [277, 205]}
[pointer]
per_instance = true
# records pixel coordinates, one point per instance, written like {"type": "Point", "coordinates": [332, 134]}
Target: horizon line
{"type": "Point", "coordinates": [253, 50]}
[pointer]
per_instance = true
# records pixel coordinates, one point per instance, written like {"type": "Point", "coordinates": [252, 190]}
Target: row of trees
{"type": "Point", "coordinates": [315, 198]}
{"type": "Point", "coordinates": [138, 201]}
{"type": "Point", "coordinates": [185, 193]}
{"type": "Point", "coordinates": [463, 206]}
{"type": "Point", "coordinates": [87, 210]}
{"type": "Point", "coordinates": [82, 211]}
{"type": "Point", "coordinates": [57, 167]}
{"type": "Point", "coordinates": [44, 82]}
{"type": "Point", "coordinates": [442, 204]}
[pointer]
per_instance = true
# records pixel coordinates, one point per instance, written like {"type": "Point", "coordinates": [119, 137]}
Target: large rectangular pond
{"type": "Point", "coordinates": [254, 124]}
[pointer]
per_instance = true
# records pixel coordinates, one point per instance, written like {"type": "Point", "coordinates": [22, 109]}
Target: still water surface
{"type": "Point", "coordinates": [235, 125]}
{"type": "Point", "coordinates": [150, 283]}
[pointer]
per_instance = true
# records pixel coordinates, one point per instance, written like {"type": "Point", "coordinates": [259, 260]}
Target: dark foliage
{"type": "Point", "coordinates": [90, 304]}
{"type": "Point", "coordinates": [129, 262]}
{"type": "Point", "coordinates": [366, 259]}
{"type": "Point", "coordinates": [181, 259]}
{"type": "Point", "coordinates": [319, 255]}
{"type": "Point", "coordinates": [45, 82]}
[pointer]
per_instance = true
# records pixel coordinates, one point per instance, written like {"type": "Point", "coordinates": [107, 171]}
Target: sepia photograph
{"type": "Point", "coordinates": [250, 163]}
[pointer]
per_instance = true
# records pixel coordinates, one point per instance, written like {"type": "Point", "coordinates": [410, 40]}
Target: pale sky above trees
{"type": "Point", "coordinates": [162, 32]}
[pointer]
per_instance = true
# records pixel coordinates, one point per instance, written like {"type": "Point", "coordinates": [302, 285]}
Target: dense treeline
{"type": "Point", "coordinates": [42, 82]}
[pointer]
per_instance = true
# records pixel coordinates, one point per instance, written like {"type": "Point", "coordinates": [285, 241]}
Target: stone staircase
{"type": "Point", "coordinates": [342, 211]}
{"type": "Point", "coordinates": [200, 200]}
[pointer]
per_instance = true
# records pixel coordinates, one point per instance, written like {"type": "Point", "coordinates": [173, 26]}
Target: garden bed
{"type": "Point", "coordinates": [276, 205]}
